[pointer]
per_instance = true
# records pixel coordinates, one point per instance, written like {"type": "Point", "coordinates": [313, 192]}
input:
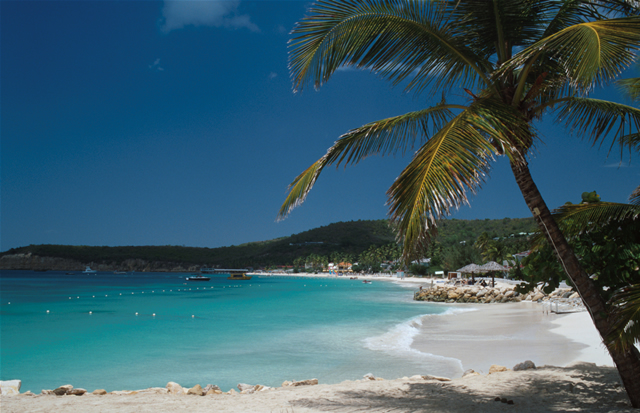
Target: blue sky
{"type": "Point", "coordinates": [175, 123]}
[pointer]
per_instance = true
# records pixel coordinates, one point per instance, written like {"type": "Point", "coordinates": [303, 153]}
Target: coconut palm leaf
{"type": "Point", "coordinates": [590, 53]}
{"type": "Point", "coordinates": [634, 198]}
{"type": "Point", "coordinates": [396, 39]}
{"type": "Point", "coordinates": [631, 87]}
{"type": "Point", "coordinates": [382, 137]}
{"type": "Point", "coordinates": [594, 119]}
{"type": "Point", "coordinates": [576, 219]}
{"type": "Point", "coordinates": [488, 25]}
{"type": "Point", "coordinates": [452, 163]}
{"type": "Point", "coordinates": [625, 330]}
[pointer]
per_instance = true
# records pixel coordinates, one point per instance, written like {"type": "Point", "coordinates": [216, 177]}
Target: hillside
{"type": "Point", "coordinates": [345, 237]}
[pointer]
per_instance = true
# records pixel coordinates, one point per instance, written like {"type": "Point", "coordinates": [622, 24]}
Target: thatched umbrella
{"type": "Point", "coordinates": [490, 267]}
{"type": "Point", "coordinates": [470, 269]}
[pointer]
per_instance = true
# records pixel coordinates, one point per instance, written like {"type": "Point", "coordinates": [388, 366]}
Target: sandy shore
{"type": "Point", "coordinates": [577, 388]}
{"type": "Point", "coordinates": [479, 336]}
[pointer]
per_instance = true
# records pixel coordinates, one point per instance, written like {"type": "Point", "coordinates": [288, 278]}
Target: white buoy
{"type": "Point", "coordinates": [106, 295]}
{"type": "Point", "coordinates": [94, 296]}
{"type": "Point", "coordinates": [69, 298]}
{"type": "Point", "coordinates": [90, 312]}
{"type": "Point", "coordinates": [47, 311]}
{"type": "Point", "coordinates": [154, 314]}
{"type": "Point", "coordinates": [192, 316]}
{"type": "Point", "coordinates": [120, 293]}
{"type": "Point", "coordinates": [136, 313]}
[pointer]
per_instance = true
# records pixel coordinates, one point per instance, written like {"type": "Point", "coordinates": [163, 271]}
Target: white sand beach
{"type": "Point", "coordinates": [501, 334]}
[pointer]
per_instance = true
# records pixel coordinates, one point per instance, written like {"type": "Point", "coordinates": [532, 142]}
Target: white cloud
{"type": "Point", "coordinates": [177, 14]}
{"type": "Point", "coordinates": [156, 65]}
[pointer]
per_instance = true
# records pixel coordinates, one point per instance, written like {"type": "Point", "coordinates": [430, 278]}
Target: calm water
{"type": "Point", "coordinates": [223, 332]}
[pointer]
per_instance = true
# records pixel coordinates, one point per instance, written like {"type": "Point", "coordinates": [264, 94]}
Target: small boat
{"type": "Point", "coordinates": [366, 282]}
{"type": "Point", "coordinates": [198, 277]}
{"type": "Point", "coordinates": [239, 276]}
{"type": "Point", "coordinates": [88, 270]}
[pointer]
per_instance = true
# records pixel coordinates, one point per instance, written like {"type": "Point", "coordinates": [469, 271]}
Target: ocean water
{"type": "Point", "coordinates": [143, 330]}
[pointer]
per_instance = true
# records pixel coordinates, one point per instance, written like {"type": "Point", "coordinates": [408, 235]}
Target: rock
{"type": "Point", "coordinates": [10, 387]}
{"type": "Point", "coordinates": [210, 387]}
{"type": "Point", "coordinates": [510, 293]}
{"type": "Point", "coordinates": [574, 295]}
{"type": "Point", "coordinates": [527, 365]}
{"type": "Point", "coordinates": [435, 378]}
{"type": "Point", "coordinates": [369, 376]}
{"type": "Point", "coordinates": [416, 377]}
{"type": "Point", "coordinates": [286, 383]}
{"type": "Point", "coordinates": [77, 392]}
{"type": "Point", "coordinates": [47, 392]}
{"type": "Point", "coordinates": [310, 382]}
{"type": "Point", "coordinates": [174, 388]}
{"type": "Point", "coordinates": [62, 390]}
{"type": "Point", "coordinates": [246, 388]}
{"type": "Point", "coordinates": [537, 296]}
{"type": "Point", "coordinates": [470, 372]}
{"type": "Point", "coordinates": [497, 369]}
{"type": "Point", "coordinates": [481, 293]}
{"type": "Point", "coordinates": [154, 390]}
{"type": "Point", "coordinates": [232, 392]}
{"type": "Point", "coordinates": [452, 295]}
{"type": "Point", "coordinates": [28, 393]}
{"type": "Point", "coordinates": [213, 391]}
{"type": "Point", "coordinates": [98, 392]}
{"type": "Point", "coordinates": [195, 391]}
{"type": "Point", "coordinates": [123, 392]}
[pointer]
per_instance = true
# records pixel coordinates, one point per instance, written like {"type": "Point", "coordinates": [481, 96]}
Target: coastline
{"type": "Point", "coordinates": [477, 336]}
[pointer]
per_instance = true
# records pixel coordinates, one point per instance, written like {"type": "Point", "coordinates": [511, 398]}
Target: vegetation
{"type": "Point", "coordinates": [517, 61]}
{"type": "Point", "coordinates": [366, 242]}
{"type": "Point", "coordinates": [606, 236]}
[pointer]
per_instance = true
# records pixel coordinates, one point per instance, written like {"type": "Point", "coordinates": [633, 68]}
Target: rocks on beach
{"type": "Point", "coordinates": [502, 294]}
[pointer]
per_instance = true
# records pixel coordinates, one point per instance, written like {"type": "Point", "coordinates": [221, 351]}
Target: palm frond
{"type": "Point", "coordinates": [577, 219]}
{"type": "Point", "coordinates": [494, 27]}
{"type": "Point", "coordinates": [452, 163]}
{"type": "Point", "coordinates": [382, 137]}
{"type": "Point", "coordinates": [631, 87]}
{"type": "Point", "coordinates": [625, 306]}
{"type": "Point", "coordinates": [396, 39]}
{"type": "Point", "coordinates": [596, 119]}
{"type": "Point", "coordinates": [589, 53]}
{"type": "Point", "coordinates": [634, 198]}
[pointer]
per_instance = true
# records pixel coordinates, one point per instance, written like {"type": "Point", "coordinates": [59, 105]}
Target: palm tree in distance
{"type": "Point", "coordinates": [516, 60]}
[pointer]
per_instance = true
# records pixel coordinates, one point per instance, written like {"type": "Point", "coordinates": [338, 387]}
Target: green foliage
{"type": "Point", "coordinates": [371, 241]}
{"type": "Point", "coordinates": [418, 269]}
{"type": "Point", "coordinates": [606, 238]}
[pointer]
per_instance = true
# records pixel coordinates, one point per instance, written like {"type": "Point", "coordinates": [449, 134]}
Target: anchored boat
{"type": "Point", "coordinates": [198, 277]}
{"type": "Point", "coordinates": [234, 274]}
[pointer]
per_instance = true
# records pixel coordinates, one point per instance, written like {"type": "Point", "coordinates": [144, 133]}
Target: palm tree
{"type": "Point", "coordinates": [516, 60]}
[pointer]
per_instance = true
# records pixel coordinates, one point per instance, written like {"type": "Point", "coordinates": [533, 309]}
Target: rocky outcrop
{"type": "Point", "coordinates": [471, 294]}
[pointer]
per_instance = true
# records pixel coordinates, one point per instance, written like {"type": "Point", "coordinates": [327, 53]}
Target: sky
{"type": "Point", "coordinates": [175, 123]}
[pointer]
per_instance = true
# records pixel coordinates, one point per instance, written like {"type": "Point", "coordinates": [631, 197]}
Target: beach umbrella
{"type": "Point", "coordinates": [470, 269]}
{"type": "Point", "coordinates": [492, 266]}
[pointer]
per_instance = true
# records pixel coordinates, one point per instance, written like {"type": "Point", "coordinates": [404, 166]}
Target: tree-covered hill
{"type": "Point", "coordinates": [352, 237]}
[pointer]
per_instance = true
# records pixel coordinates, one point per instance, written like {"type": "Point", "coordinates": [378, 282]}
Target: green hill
{"type": "Point", "coordinates": [345, 237]}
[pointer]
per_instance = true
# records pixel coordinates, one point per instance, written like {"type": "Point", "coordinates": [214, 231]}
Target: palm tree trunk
{"type": "Point", "coordinates": [627, 362]}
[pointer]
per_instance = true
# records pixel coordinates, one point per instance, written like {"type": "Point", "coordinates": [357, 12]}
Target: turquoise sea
{"type": "Point", "coordinates": [142, 330]}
